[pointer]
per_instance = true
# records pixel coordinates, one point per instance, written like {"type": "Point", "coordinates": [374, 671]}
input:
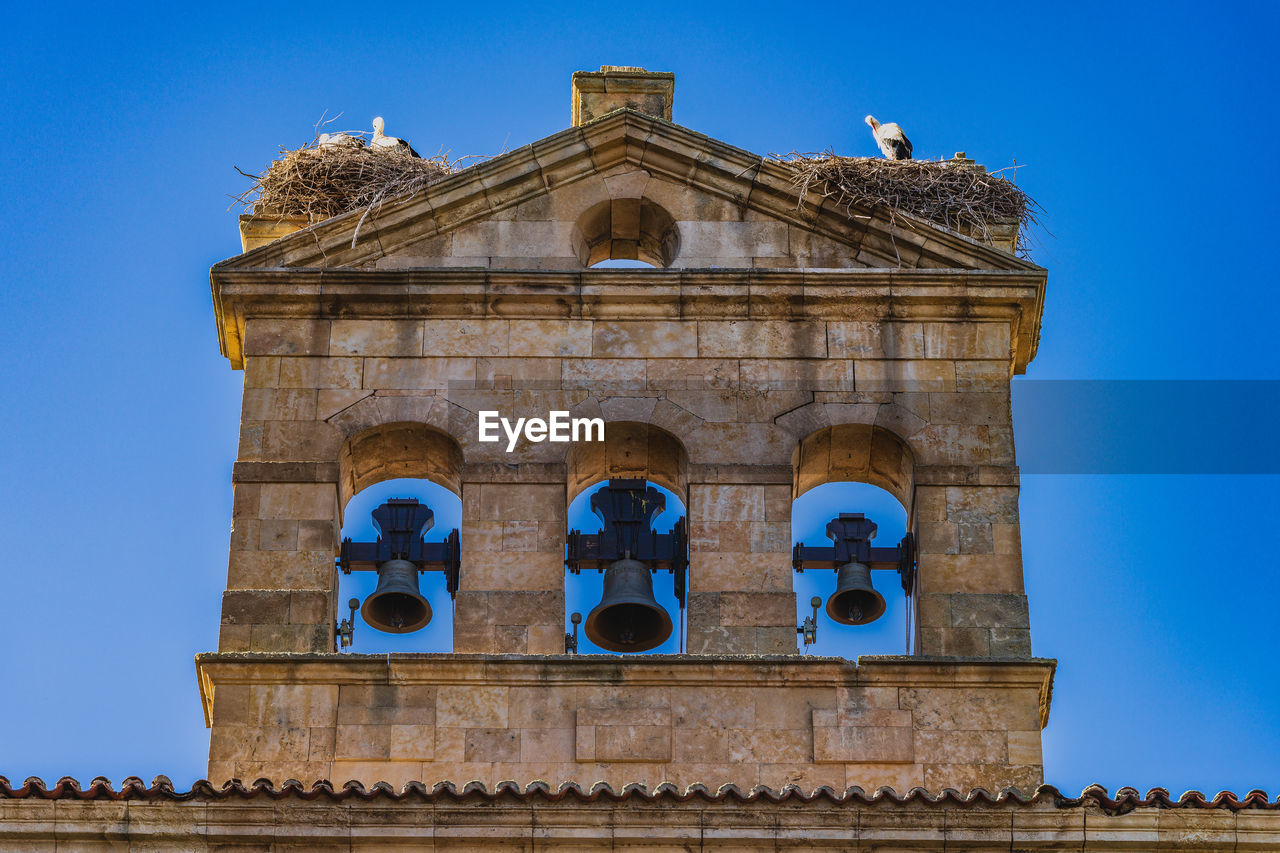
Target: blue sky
{"type": "Point", "coordinates": [1144, 131]}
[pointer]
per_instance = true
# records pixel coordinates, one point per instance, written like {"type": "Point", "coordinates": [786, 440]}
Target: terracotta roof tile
{"type": "Point", "coordinates": [1125, 799]}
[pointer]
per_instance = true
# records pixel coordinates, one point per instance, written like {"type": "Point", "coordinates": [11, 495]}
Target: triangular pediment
{"type": "Point", "coordinates": [625, 185]}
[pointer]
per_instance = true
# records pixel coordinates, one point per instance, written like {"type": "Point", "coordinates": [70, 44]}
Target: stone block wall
{"type": "Point", "coordinates": [614, 87]}
{"type": "Point", "coordinates": [971, 598]}
{"type": "Point", "coordinates": [764, 721]}
{"type": "Point", "coordinates": [779, 343]}
{"type": "Point", "coordinates": [281, 579]}
{"type": "Point", "coordinates": [754, 413]}
{"type": "Point", "coordinates": [741, 598]}
{"type": "Point", "coordinates": [628, 213]}
{"type": "Point", "coordinates": [511, 599]}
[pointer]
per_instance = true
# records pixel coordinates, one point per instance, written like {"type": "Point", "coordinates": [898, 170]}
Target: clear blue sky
{"type": "Point", "coordinates": [1146, 132]}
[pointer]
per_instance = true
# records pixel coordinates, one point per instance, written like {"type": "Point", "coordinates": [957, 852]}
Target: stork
{"type": "Point", "coordinates": [389, 143]}
{"type": "Point", "coordinates": [892, 141]}
{"type": "Point", "coordinates": [339, 140]}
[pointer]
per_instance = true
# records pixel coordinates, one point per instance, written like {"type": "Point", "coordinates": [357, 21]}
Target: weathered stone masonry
{"type": "Point", "coordinates": [776, 345]}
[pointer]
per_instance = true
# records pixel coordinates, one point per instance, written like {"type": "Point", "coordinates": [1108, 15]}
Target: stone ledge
{"type": "Point", "coordinates": [1006, 296]}
{"type": "Point", "coordinates": [544, 671]}
{"type": "Point", "coordinates": [680, 719]}
{"type": "Point", "coordinates": [757, 669]}
{"type": "Point", "coordinates": [284, 472]}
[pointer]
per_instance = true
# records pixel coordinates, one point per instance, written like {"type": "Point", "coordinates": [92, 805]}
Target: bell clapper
{"type": "Point", "coordinates": [627, 627]}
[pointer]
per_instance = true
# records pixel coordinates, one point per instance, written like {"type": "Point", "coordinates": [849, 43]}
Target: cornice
{"type": "Point", "coordinates": [1012, 296]}
{"type": "Point", "coordinates": [215, 669]}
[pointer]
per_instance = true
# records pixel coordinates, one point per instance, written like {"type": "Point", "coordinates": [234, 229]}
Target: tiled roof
{"type": "Point", "coordinates": [1125, 799]}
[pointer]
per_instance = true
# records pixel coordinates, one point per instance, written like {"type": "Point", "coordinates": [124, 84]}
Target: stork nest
{"type": "Point", "coordinates": [957, 194]}
{"type": "Point", "coordinates": [324, 182]}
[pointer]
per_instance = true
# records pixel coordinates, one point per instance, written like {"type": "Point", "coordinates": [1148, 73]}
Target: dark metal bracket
{"type": "Point", "coordinates": [808, 629]}
{"type": "Point", "coordinates": [346, 630]}
{"type": "Point", "coordinates": [571, 640]}
{"type": "Point", "coordinates": [852, 533]}
{"type": "Point", "coordinates": [626, 507]}
{"type": "Point", "coordinates": [401, 524]}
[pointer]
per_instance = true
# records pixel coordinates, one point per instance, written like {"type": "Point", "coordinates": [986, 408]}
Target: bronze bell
{"type": "Point", "coordinates": [855, 601]}
{"type": "Point", "coordinates": [628, 617]}
{"type": "Point", "coordinates": [396, 606]}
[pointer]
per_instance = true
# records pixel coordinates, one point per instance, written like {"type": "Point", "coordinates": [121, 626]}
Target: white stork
{"type": "Point", "coordinates": [383, 142]}
{"type": "Point", "coordinates": [892, 141]}
{"type": "Point", "coordinates": [339, 140]}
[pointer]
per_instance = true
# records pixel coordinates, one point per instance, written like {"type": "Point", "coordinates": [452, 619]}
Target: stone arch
{"type": "Point", "coordinates": [865, 454]}
{"type": "Point", "coordinates": [376, 410]}
{"type": "Point", "coordinates": [862, 453]}
{"type": "Point", "coordinates": [395, 450]}
{"type": "Point", "coordinates": [626, 229]}
{"type": "Point", "coordinates": [629, 449]}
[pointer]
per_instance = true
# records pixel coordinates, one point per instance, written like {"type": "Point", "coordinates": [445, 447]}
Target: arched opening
{"type": "Point", "coordinates": [403, 449]}
{"type": "Point", "coordinates": [810, 514]}
{"type": "Point", "coordinates": [630, 449]}
{"type": "Point", "coordinates": [626, 229]}
{"type": "Point", "coordinates": [622, 264]}
{"type": "Point", "coordinates": [859, 453]}
{"type": "Point", "coordinates": [399, 461]}
{"type": "Point", "coordinates": [584, 591]}
{"type": "Point", "coordinates": [854, 468]}
{"type": "Point", "coordinates": [634, 451]}
{"type": "Point", "coordinates": [446, 507]}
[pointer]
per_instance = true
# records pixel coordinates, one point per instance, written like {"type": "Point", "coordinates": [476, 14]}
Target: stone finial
{"type": "Point", "coordinates": [614, 87]}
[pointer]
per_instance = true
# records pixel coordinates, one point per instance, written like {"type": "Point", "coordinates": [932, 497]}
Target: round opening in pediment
{"type": "Point", "coordinates": [626, 229]}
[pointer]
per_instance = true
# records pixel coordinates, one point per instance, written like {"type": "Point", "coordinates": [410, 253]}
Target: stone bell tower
{"type": "Point", "coordinates": [777, 343]}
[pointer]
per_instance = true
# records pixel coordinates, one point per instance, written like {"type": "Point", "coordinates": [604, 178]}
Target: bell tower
{"type": "Point", "coordinates": [774, 343]}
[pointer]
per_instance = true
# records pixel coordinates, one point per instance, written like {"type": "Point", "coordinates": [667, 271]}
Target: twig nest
{"type": "Point", "coordinates": [325, 181]}
{"type": "Point", "coordinates": [953, 193]}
